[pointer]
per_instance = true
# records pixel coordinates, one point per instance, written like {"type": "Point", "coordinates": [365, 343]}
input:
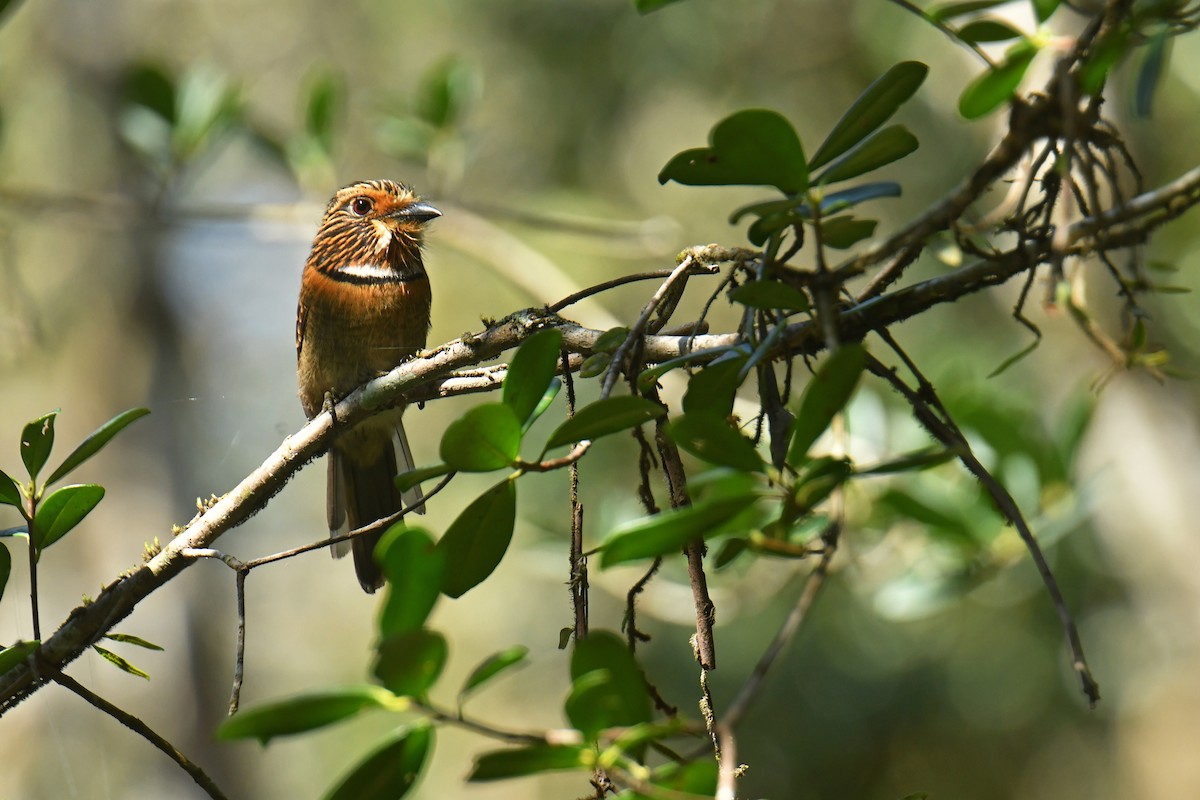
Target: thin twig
{"type": "Point", "coordinates": [145, 731]}
{"type": "Point", "coordinates": [239, 663]}
{"type": "Point", "coordinates": [578, 576]}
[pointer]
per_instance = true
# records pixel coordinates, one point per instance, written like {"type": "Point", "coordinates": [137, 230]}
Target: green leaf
{"type": "Point", "coordinates": [486, 438]}
{"type": "Point", "coordinates": [546, 401]}
{"type": "Point", "coordinates": [520, 761]}
{"type": "Point", "coordinates": [770, 295]}
{"type": "Point", "coordinates": [951, 10]}
{"type": "Point", "coordinates": [10, 492]}
{"type": "Point", "coordinates": [207, 106]}
{"type": "Point", "coordinates": [492, 666]}
{"type": "Point", "coordinates": [825, 395]}
{"type": "Point", "coordinates": [414, 568]}
{"type": "Point", "coordinates": [996, 86]}
{"type": "Point", "coordinates": [698, 778]}
{"type": "Point", "coordinates": [819, 479]}
{"type": "Point", "coordinates": [756, 147]}
{"type": "Point", "coordinates": [668, 531]}
{"type": "Point", "coordinates": [988, 30]}
{"type": "Point", "coordinates": [1044, 9]}
{"type": "Point", "coordinates": [446, 90]}
{"type": "Point", "coordinates": [94, 442]}
{"type": "Point", "coordinates": [476, 541]}
{"type": "Point", "coordinates": [649, 377]}
{"type": "Point", "coordinates": [610, 340]}
{"type": "Point", "coordinates": [321, 112]}
{"type": "Point", "coordinates": [128, 638]}
{"type": "Point", "coordinates": [5, 568]}
{"type": "Point", "coordinates": [17, 653]}
{"type": "Point", "coordinates": [304, 713]}
{"type": "Point", "coordinates": [708, 436]}
{"type": "Point", "coordinates": [1104, 55]}
{"type": "Point", "coordinates": [731, 548]}
{"type": "Point", "coordinates": [607, 686]}
{"type": "Point", "coordinates": [603, 417]}
{"type": "Point", "coordinates": [834, 202]}
{"type": "Point", "coordinates": [414, 477]}
{"type": "Point", "coordinates": [409, 663]}
{"type": "Point", "coordinates": [149, 86]}
{"type": "Point", "coordinates": [390, 770]}
{"type": "Point", "coordinates": [843, 232]}
{"type": "Point", "coordinates": [874, 106]}
{"type": "Point", "coordinates": [877, 150]}
{"type": "Point", "coordinates": [1150, 73]}
{"type": "Point", "coordinates": [530, 373]}
{"type": "Point", "coordinates": [119, 662]}
{"type": "Point", "coordinates": [37, 439]}
{"type": "Point", "coordinates": [712, 389]}
{"type": "Point", "coordinates": [1015, 357]}
{"type": "Point", "coordinates": [595, 364]}
{"type": "Point", "coordinates": [63, 510]}
{"type": "Point", "coordinates": [913, 462]}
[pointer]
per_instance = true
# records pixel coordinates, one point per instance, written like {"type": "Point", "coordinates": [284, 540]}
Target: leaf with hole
{"type": "Point", "coordinates": [96, 441]}
{"type": "Point", "coordinates": [304, 713]}
{"type": "Point", "coordinates": [530, 373]}
{"type": "Point", "coordinates": [492, 666]}
{"type": "Point", "coordinates": [709, 437]}
{"type": "Point", "coordinates": [476, 541]}
{"type": "Point", "coordinates": [37, 439]}
{"type": "Point", "coordinates": [517, 762]}
{"type": "Point", "coordinates": [874, 106]}
{"type": "Point", "coordinates": [409, 663]}
{"type": "Point", "coordinates": [414, 567]}
{"type": "Point", "coordinates": [824, 397]}
{"type": "Point", "coordinates": [756, 147]}
{"type": "Point", "coordinates": [63, 510]}
{"type": "Point", "coordinates": [997, 86]}
{"type": "Point", "coordinates": [390, 770]}
{"type": "Point", "coordinates": [877, 150]}
{"type": "Point", "coordinates": [668, 531]}
{"type": "Point", "coordinates": [604, 417]}
{"type": "Point", "coordinates": [486, 438]}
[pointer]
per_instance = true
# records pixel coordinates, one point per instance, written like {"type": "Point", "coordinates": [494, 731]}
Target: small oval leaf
{"type": "Point", "coordinates": [492, 666]}
{"type": "Point", "coordinates": [409, 663]}
{"type": "Point", "coordinates": [476, 541]}
{"type": "Point", "coordinates": [825, 395]}
{"type": "Point", "coordinates": [486, 438]}
{"type": "Point", "coordinates": [414, 568]}
{"type": "Point", "coordinates": [668, 531]}
{"type": "Point", "coordinates": [16, 653]}
{"type": "Point", "coordinates": [519, 761]}
{"type": "Point", "coordinates": [996, 86]}
{"type": "Point", "coordinates": [530, 372]}
{"type": "Point", "coordinates": [708, 436]}
{"type": "Point", "coordinates": [843, 232]}
{"type": "Point", "coordinates": [610, 415]}
{"type": "Point", "coordinates": [877, 150]}
{"type": "Point", "coordinates": [303, 713]}
{"type": "Point", "coordinates": [756, 147]}
{"type": "Point", "coordinates": [36, 441]}
{"type": "Point", "coordinates": [770, 295]}
{"type": "Point", "coordinates": [63, 510]}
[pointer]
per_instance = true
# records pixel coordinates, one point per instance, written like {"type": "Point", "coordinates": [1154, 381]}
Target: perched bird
{"type": "Point", "coordinates": [364, 308]}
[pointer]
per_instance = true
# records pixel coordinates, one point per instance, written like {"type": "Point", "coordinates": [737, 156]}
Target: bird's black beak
{"type": "Point", "coordinates": [419, 212]}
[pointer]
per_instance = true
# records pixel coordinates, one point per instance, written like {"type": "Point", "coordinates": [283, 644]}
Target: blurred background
{"type": "Point", "coordinates": [163, 167]}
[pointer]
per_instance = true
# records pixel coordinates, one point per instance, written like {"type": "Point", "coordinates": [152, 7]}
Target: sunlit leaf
{"type": "Point", "coordinates": [698, 779]}
{"type": "Point", "coordinates": [409, 663]}
{"type": "Point", "coordinates": [486, 438]}
{"type": "Point", "coordinates": [37, 439]}
{"type": "Point", "coordinates": [709, 437]}
{"type": "Point", "coordinates": [756, 147]}
{"type": "Point", "coordinates": [304, 713]}
{"type": "Point", "coordinates": [390, 770]}
{"type": "Point", "coordinates": [492, 666]}
{"type": "Point", "coordinates": [874, 106]}
{"type": "Point", "coordinates": [877, 150]}
{"type": "Point", "coordinates": [15, 654]}
{"type": "Point", "coordinates": [668, 531]}
{"type": "Point", "coordinates": [519, 761]}
{"type": "Point", "coordinates": [988, 30]}
{"type": "Point", "coordinates": [530, 372]}
{"type": "Point", "coordinates": [128, 638]}
{"type": "Point", "coordinates": [476, 541]}
{"type": "Point", "coordinates": [94, 442]}
{"type": "Point", "coordinates": [770, 295]}
{"type": "Point", "coordinates": [996, 86]}
{"type": "Point", "coordinates": [120, 662]}
{"type": "Point", "coordinates": [414, 568]}
{"type": "Point", "coordinates": [63, 510]}
{"type": "Point", "coordinates": [603, 417]}
{"type": "Point", "coordinates": [826, 394]}
{"type": "Point", "coordinates": [415, 477]}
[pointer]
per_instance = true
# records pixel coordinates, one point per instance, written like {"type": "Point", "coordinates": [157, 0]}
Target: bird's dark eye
{"type": "Point", "coordinates": [361, 206]}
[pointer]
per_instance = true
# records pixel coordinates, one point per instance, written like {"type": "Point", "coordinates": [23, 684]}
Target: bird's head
{"type": "Point", "coordinates": [372, 224]}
